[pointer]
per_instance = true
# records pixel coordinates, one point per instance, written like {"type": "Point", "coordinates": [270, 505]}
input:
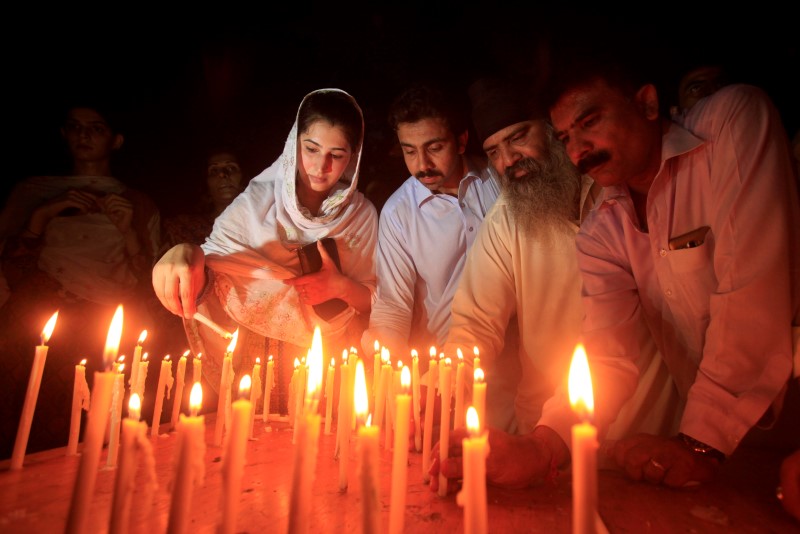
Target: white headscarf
{"type": "Point", "coordinates": [252, 246]}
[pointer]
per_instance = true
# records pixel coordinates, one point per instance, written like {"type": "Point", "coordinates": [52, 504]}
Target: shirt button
{"type": "Point", "coordinates": [470, 228]}
{"type": "Point", "coordinates": [663, 252]}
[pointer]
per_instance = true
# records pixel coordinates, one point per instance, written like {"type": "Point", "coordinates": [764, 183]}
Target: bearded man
{"type": "Point", "coordinates": [522, 273]}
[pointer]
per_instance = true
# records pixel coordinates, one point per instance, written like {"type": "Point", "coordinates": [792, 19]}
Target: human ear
{"type": "Point", "coordinates": [647, 98]}
{"type": "Point", "coordinates": [461, 141]}
{"type": "Point", "coordinates": [118, 140]}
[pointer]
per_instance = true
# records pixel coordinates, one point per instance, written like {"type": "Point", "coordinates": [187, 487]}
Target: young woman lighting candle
{"type": "Point", "coordinates": [95, 430]}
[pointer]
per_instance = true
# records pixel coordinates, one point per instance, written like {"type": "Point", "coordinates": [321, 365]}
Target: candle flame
{"type": "Point", "coordinates": [473, 422]}
{"type": "Point", "coordinates": [270, 358]}
{"type": "Point", "coordinates": [113, 339]}
{"type": "Point", "coordinates": [369, 420]}
{"type": "Point", "coordinates": [199, 355]}
{"type": "Point", "coordinates": [142, 337]}
{"type": "Point", "coordinates": [447, 361]}
{"type": "Point", "coordinates": [581, 396]}
{"type": "Point", "coordinates": [314, 383]}
{"type": "Point", "coordinates": [83, 362]}
{"type": "Point", "coordinates": [385, 356]}
{"type": "Point", "coordinates": [344, 355]}
{"type": "Point", "coordinates": [441, 356]}
{"type": "Point", "coordinates": [414, 354]}
{"type": "Point", "coordinates": [460, 355]}
{"type": "Point", "coordinates": [232, 344]}
{"type": "Point", "coordinates": [186, 353]}
{"type": "Point", "coordinates": [144, 356]}
{"type": "Point", "coordinates": [477, 376]}
{"type": "Point", "coordinates": [258, 360]}
{"type": "Point", "coordinates": [376, 345]}
{"type": "Point", "coordinates": [166, 358]}
{"type": "Point", "coordinates": [405, 379]}
{"type": "Point", "coordinates": [47, 331]}
{"type": "Point", "coordinates": [432, 352]}
{"type": "Point", "coordinates": [244, 386]}
{"type": "Point", "coordinates": [134, 407]}
{"type": "Point", "coordinates": [360, 393]}
{"type": "Point", "coordinates": [121, 368]}
{"type": "Point", "coordinates": [121, 359]}
{"type": "Point", "coordinates": [196, 398]}
{"type": "Point", "coordinates": [333, 362]}
{"type": "Point", "coordinates": [399, 365]}
{"type": "Point", "coordinates": [475, 351]}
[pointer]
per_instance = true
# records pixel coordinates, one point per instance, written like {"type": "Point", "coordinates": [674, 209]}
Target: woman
{"type": "Point", "coordinates": [246, 274]}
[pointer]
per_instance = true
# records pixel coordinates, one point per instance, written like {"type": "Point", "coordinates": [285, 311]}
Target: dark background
{"type": "Point", "coordinates": [182, 80]}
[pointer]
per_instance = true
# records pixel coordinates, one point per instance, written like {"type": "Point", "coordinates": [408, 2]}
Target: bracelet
{"type": "Point", "coordinates": [699, 447]}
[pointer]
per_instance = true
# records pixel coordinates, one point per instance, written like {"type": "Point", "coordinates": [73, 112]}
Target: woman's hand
{"type": "Point", "coordinates": [75, 200]}
{"type": "Point", "coordinates": [178, 277]}
{"type": "Point", "coordinates": [119, 211]}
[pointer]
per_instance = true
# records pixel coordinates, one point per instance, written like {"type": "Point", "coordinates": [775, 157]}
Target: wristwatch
{"type": "Point", "coordinates": [701, 448]}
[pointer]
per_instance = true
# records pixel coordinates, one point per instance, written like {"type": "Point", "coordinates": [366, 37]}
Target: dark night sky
{"type": "Point", "coordinates": [183, 80]}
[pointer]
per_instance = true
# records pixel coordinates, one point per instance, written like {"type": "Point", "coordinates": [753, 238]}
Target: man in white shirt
{"type": "Point", "coordinates": [428, 224]}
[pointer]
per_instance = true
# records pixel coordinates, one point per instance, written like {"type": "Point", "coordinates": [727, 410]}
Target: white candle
{"type": "Point", "coordinates": [80, 402]}
{"type": "Point", "coordinates": [305, 453]}
{"type": "Point", "coordinates": [376, 372]}
{"type": "Point", "coordinates": [427, 436]}
{"type": "Point", "coordinates": [352, 359]}
{"type": "Point", "coordinates": [226, 379]}
{"type": "Point", "coordinates": [445, 372]}
{"type": "Point", "coordinates": [343, 425]}
{"type": "Point", "coordinates": [133, 433]}
{"type": "Point", "coordinates": [269, 383]}
{"type": "Point", "coordinates": [95, 430]}
{"type": "Point", "coordinates": [459, 414]}
{"type": "Point", "coordinates": [299, 396]}
{"type": "Point", "coordinates": [476, 362]}
{"type": "Point", "coordinates": [115, 416]}
{"type": "Point", "coordinates": [391, 394]}
{"type": "Point", "coordinates": [400, 455]}
{"type": "Point", "coordinates": [141, 376]}
{"type": "Point", "coordinates": [367, 455]}
{"type": "Point", "coordinates": [189, 471]}
{"type": "Point", "coordinates": [329, 378]}
{"type": "Point", "coordinates": [584, 445]}
{"type": "Point", "coordinates": [383, 386]}
{"type": "Point", "coordinates": [164, 384]}
{"type": "Point", "coordinates": [197, 368]}
{"type": "Point", "coordinates": [177, 399]}
{"type": "Point", "coordinates": [255, 393]}
{"type": "Point", "coordinates": [234, 458]}
{"type": "Point", "coordinates": [472, 496]}
{"type": "Point", "coordinates": [31, 395]}
{"type": "Point", "coordinates": [416, 400]}
{"type": "Point", "coordinates": [479, 394]}
{"type": "Point", "coordinates": [137, 358]}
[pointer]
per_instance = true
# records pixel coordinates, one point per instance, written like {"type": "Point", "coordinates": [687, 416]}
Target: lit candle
{"type": "Point", "coordinates": [352, 359]}
{"type": "Point", "coordinates": [269, 383]}
{"type": "Point", "coordinates": [80, 402]}
{"type": "Point", "coordinates": [95, 430]}
{"type": "Point", "coordinates": [367, 455]}
{"type": "Point", "coordinates": [383, 387]}
{"type": "Point", "coordinates": [255, 393]}
{"type": "Point", "coordinates": [400, 455]}
{"type": "Point", "coordinates": [290, 404]}
{"type": "Point", "coordinates": [165, 381]}
{"type": "Point", "coordinates": [329, 396]}
{"type": "Point", "coordinates": [133, 434]}
{"type": "Point", "coordinates": [233, 461]}
{"type": "Point", "coordinates": [476, 360]}
{"type": "Point", "coordinates": [197, 368]}
{"type": "Point", "coordinates": [189, 471]}
{"type": "Point", "coordinates": [141, 377]}
{"type": "Point", "coordinates": [445, 372]}
{"type": "Point", "coordinates": [177, 399]}
{"type": "Point", "coordinates": [584, 445]}
{"type": "Point", "coordinates": [427, 436]}
{"type": "Point", "coordinates": [472, 496]}
{"type": "Point", "coordinates": [391, 394]}
{"type": "Point", "coordinates": [376, 371]}
{"type": "Point", "coordinates": [459, 419]}
{"type": "Point", "coordinates": [116, 416]}
{"type": "Point", "coordinates": [32, 395]}
{"type": "Point", "coordinates": [224, 390]}
{"type": "Point", "coordinates": [305, 453]}
{"type": "Point", "coordinates": [299, 396]}
{"type": "Point", "coordinates": [479, 394]}
{"type": "Point", "coordinates": [137, 357]}
{"type": "Point", "coordinates": [343, 424]}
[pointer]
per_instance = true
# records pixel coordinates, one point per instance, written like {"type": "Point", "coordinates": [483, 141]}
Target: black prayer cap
{"type": "Point", "coordinates": [498, 103]}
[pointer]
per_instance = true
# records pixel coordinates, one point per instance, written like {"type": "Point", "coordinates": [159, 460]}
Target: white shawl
{"type": "Point", "coordinates": [252, 247]}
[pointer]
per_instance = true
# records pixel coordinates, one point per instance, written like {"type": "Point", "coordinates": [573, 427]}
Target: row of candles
{"type": "Point", "coordinates": [392, 398]}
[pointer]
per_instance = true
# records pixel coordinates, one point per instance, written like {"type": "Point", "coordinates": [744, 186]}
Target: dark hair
{"type": "Point", "coordinates": [424, 100]}
{"type": "Point", "coordinates": [113, 115]}
{"type": "Point", "coordinates": [335, 108]}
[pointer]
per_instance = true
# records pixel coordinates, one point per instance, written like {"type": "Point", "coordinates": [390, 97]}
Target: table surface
{"type": "Point", "coordinates": [741, 499]}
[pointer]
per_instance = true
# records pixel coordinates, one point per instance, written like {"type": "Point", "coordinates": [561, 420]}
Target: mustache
{"type": "Point", "coordinates": [528, 165]}
{"type": "Point", "coordinates": [428, 174]}
{"type": "Point", "coordinates": [592, 160]}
